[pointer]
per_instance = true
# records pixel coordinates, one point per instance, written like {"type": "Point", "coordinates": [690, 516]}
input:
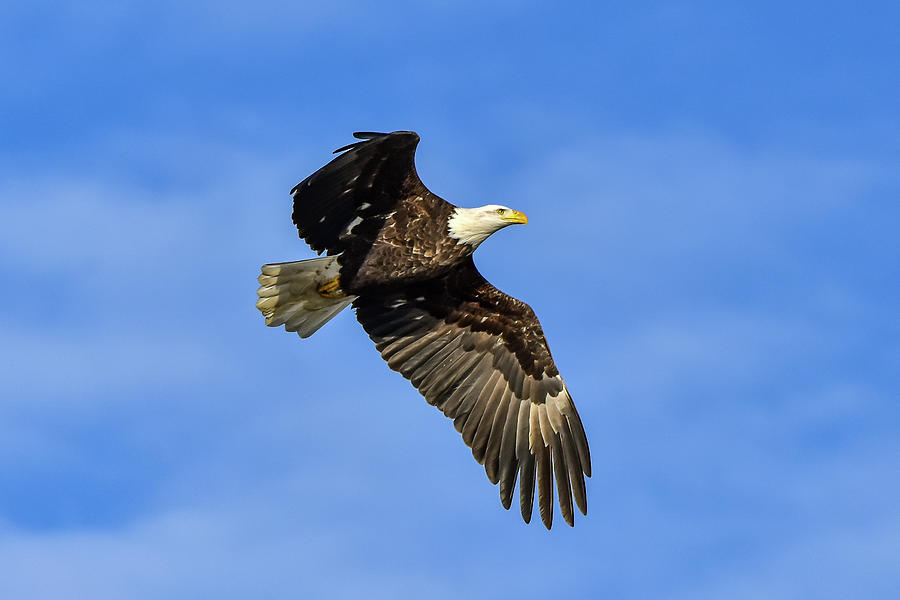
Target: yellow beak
{"type": "Point", "coordinates": [515, 216]}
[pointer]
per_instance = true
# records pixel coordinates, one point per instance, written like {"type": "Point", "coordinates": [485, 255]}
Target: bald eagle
{"type": "Point", "coordinates": [402, 257]}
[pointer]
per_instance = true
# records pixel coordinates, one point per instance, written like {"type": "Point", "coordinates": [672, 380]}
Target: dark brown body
{"type": "Point", "coordinates": [413, 246]}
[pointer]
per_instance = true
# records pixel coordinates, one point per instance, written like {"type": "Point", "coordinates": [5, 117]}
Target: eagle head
{"type": "Point", "coordinates": [473, 225]}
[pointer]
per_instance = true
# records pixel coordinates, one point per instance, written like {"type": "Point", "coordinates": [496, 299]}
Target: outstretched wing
{"type": "Point", "coordinates": [357, 191]}
{"type": "Point", "coordinates": [480, 356]}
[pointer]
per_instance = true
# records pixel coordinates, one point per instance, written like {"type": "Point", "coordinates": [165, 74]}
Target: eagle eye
{"type": "Point", "coordinates": [500, 211]}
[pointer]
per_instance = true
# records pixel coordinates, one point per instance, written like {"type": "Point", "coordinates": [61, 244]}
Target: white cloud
{"type": "Point", "coordinates": [689, 195]}
{"type": "Point", "coordinates": [836, 560]}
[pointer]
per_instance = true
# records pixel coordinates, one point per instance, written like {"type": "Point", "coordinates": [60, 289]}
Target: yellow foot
{"type": "Point", "coordinates": [331, 288]}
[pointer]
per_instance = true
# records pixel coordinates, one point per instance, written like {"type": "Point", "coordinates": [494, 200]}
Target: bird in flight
{"type": "Point", "coordinates": [402, 257]}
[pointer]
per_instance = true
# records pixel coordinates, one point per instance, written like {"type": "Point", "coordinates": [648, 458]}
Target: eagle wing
{"type": "Point", "coordinates": [480, 356]}
{"type": "Point", "coordinates": [357, 190]}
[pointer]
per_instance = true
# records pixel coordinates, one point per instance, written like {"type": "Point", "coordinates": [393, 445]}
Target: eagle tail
{"type": "Point", "coordinates": [301, 295]}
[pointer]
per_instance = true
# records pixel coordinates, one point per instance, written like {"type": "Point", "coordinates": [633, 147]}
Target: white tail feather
{"type": "Point", "coordinates": [289, 294]}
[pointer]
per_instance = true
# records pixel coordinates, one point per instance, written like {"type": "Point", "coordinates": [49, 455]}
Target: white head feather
{"type": "Point", "coordinates": [473, 225]}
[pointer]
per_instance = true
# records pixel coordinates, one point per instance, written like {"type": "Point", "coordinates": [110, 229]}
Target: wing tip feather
{"type": "Point", "coordinates": [369, 136]}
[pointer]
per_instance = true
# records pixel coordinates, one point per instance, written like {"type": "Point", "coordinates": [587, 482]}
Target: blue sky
{"type": "Point", "coordinates": [714, 201]}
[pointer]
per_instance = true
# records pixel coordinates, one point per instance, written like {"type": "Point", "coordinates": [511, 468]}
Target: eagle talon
{"type": "Point", "coordinates": [331, 288]}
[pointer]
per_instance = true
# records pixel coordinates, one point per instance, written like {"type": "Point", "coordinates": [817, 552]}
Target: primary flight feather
{"type": "Point", "coordinates": [402, 257]}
